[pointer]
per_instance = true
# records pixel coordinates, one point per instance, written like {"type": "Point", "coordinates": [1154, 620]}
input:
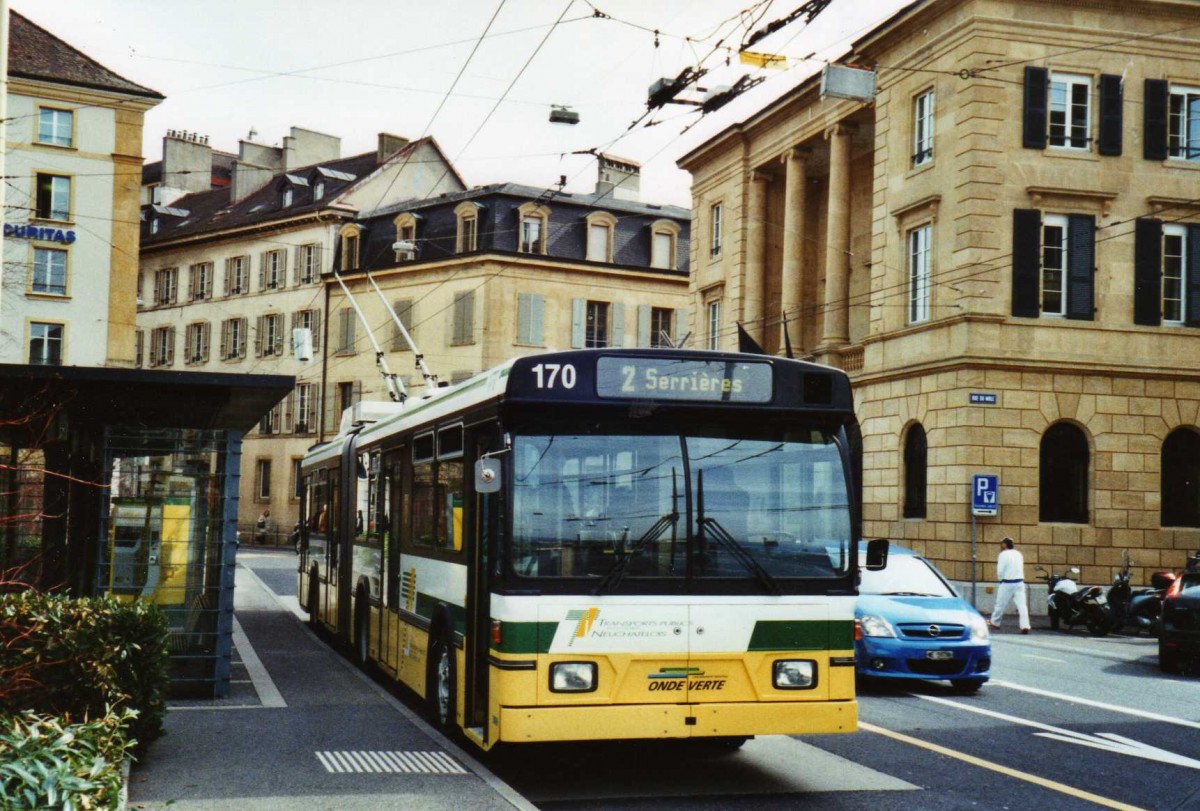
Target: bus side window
{"type": "Point", "coordinates": [424, 496]}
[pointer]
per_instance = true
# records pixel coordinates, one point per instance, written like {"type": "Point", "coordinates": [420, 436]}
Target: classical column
{"type": "Point", "coordinates": [756, 252]}
{"type": "Point", "coordinates": [837, 241]}
{"type": "Point", "coordinates": [793, 244]}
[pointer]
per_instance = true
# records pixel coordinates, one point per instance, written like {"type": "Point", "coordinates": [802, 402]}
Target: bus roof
{"type": "Point", "coordinates": [620, 377]}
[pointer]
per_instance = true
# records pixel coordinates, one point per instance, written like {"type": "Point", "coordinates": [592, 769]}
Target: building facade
{"type": "Point", "coordinates": [73, 158]}
{"type": "Point", "coordinates": [481, 276]}
{"type": "Point", "coordinates": [232, 262]}
{"type": "Point", "coordinates": [1001, 243]}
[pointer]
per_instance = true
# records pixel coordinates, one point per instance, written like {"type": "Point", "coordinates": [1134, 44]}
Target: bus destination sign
{"type": "Point", "coordinates": [715, 381]}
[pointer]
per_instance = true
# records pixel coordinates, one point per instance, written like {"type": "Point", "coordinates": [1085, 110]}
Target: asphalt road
{"type": "Point", "coordinates": [1068, 721]}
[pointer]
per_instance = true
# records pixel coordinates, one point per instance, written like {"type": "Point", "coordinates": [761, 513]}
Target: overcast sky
{"type": "Point", "coordinates": [360, 67]}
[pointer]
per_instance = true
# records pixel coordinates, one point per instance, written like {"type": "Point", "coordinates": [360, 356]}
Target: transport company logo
{"type": "Point", "coordinates": [584, 620]}
{"type": "Point", "coordinates": [679, 678]}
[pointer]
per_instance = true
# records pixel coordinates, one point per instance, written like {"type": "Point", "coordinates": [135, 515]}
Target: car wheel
{"type": "Point", "coordinates": [440, 687]}
{"type": "Point", "coordinates": [966, 685]}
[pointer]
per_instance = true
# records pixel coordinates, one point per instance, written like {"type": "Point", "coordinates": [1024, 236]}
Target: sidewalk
{"type": "Point", "coordinates": [303, 728]}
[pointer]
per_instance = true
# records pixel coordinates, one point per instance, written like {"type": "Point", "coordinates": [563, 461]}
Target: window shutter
{"type": "Point", "coordinates": [524, 317]}
{"type": "Point", "coordinates": [170, 360]}
{"type": "Point", "coordinates": [643, 325]}
{"type": "Point", "coordinates": [241, 335]}
{"type": "Point", "coordinates": [617, 334]}
{"type": "Point", "coordinates": [262, 270]}
{"type": "Point", "coordinates": [205, 340]}
{"type": "Point", "coordinates": [332, 417]}
{"type": "Point", "coordinates": [278, 342]}
{"type": "Point", "coordinates": [316, 330]}
{"type": "Point", "coordinates": [681, 323]}
{"type": "Point", "coordinates": [258, 337]}
{"type": "Point", "coordinates": [224, 340]}
{"type": "Point", "coordinates": [537, 319]}
{"type": "Point", "coordinates": [289, 409]}
{"type": "Point", "coordinates": [1147, 272]}
{"type": "Point", "coordinates": [468, 320]}
{"type": "Point", "coordinates": [1026, 262]}
{"type": "Point", "coordinates": [1154, 120]}
{"type": "Point", "coordinates": [293, 323]}
{"type": "Point", "coordinates": [403, 310]}
{"type": "Point", "coordinates": [1111, 113]}
{"type": "Point", "coordinates": [1037, 82]}
{"type": "Point", "coordinates": [1081, 267]}
{"type": "Point", "coordinates": [578, 321]}
{"type": "Point", "coordinates": [1192, 316]}
{"type": "Point", "coordinates": [349, 330]}
{"type": "Point", "coordinates": [228, 276]}
{"type": "Point", "coordinates": [297, 261]}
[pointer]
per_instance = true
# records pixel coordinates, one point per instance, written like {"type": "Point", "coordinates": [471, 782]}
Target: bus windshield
{"type": "Point", "coordinates": [761, 504]}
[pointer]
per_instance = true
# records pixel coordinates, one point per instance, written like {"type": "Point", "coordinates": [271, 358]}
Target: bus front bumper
{"type": "Point", "coordinates": [625, 722]}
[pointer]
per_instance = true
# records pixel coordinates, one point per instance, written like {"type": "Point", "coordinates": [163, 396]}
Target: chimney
{"type": "Point", "coordinates": [186, 161]}
{"type": "Point", "coordinates": [256, 164]}
{"type": "Point", "coordinates": [307, 147]}
{"type": "Point", "coordinates": [620, 178]}
{"type": "Point", "coordinates": [388, 145]}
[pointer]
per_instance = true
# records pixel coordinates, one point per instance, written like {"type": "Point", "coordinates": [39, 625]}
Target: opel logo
{"type": "Point", "coordinates": [934, 630]}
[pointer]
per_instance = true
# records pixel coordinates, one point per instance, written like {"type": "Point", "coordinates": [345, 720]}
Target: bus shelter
{"type": "Point", "coordinates": [124, 482]}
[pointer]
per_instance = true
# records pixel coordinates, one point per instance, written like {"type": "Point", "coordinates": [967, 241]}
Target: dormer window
{"type": "Point", "coordinates": [318, 190]}
{"type": "Point", "coordinates": [664, 237]}
{"type": "Point", "coordinates": [600, 228]}
{"type": "Point", "coordinates": [285, 199]}
{"type": "Point", "coordinates": [467, 213]}
{"type": "Point", "coordinates": [406, 237]}
{"type": "Point", "coordinates": [351, 241]}
{"type": "Point", "coordinates": [154, 225]}
{"type": "Point", "coordinates": [532, 230]}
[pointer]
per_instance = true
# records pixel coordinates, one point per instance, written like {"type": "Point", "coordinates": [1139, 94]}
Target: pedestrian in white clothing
{"type": "Point", "coordinates": [1010, 571]}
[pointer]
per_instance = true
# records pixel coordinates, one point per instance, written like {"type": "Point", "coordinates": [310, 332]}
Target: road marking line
{"type": "Point", "coordinates": [361, 762]}
{"type": "Point", "coordinates": [1043, 658]}
{"type": "Point", "coordinates": [1062, 788]}
{"type": "Point", "coordinates": [1153, 716]}
{"type": "Point", "coordinates": [268, 693]}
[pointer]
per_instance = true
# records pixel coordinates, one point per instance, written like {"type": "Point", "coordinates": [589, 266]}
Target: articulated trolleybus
{"type": "Point", "coordinates": [600, 544]}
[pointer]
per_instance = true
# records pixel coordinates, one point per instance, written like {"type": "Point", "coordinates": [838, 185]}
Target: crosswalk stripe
{"type": "Point", "coordinates": [388, 762]}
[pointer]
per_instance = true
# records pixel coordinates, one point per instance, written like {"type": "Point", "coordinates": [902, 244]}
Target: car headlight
{"type": "Point", "coordinates": [875, 626]}
{"type": "Point", "coordinates": [794, 674]}
{"type": "Point", "coordinates": [572, 677]}
{"type": "Point", "coordinates": [979, 630]}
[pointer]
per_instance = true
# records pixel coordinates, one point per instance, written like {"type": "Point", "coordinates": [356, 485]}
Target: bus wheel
{"type": "Point", "coordinates": [313, 591]}
{"type": "Point", "coordinates": [361, 629]}
{"type": "Point", "coordinates": [440, 687]}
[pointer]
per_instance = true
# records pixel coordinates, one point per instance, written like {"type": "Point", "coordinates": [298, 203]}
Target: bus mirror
{"type": "Point", "coordinates": [877, 554]}
{"type": "Point", "coordinates": [487, 476]}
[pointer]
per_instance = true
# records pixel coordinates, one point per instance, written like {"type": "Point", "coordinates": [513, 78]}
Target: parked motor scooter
{"type": "Point", "coordinates": [1069, 605]}
{"type": "Point", "coordinates": [1137, 610]}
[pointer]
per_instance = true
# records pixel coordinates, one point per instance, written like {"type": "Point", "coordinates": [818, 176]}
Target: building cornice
{"type": "Point", "coordinates": [242, 232]}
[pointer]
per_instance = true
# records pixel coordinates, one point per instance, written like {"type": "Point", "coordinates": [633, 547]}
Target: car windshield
{"type": "Point", "coordinates": [905, 575]}
{"type": "Point", "coordinates": [766, 505]}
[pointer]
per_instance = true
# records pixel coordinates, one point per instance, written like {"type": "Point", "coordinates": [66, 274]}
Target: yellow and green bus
{"type": "Point", "coordinates": [599, 543]}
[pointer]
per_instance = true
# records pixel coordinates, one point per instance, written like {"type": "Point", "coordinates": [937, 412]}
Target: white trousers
{"type": "Point", "coordinates": [1007, 593]}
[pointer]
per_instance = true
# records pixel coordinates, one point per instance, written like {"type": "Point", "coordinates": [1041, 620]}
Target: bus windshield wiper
{"type": "Point", "coordinates": [710, 527]}
{"type": "Point", "coordinates": [612, 578]}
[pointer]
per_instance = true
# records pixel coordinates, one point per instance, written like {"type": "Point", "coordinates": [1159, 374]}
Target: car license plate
{"type": "Point", "coordinates": [939, 655]}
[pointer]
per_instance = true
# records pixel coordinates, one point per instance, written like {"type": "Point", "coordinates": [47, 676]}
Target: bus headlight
{"type": "Point", "coordinates": [795, 674]}
{"type": "Point", "coordinates": [572, 677]}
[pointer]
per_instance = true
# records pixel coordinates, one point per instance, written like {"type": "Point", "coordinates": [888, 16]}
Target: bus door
{"type": "Point", "coordinates": [483, 542]}
{"type": "Point", "coordinates": [354, 478]}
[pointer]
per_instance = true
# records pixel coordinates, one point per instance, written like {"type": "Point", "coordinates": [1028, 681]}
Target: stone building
{"type": "Point", "coordinates": [484, 275]}
{"type": "Point", "coordinates": [986, 212]}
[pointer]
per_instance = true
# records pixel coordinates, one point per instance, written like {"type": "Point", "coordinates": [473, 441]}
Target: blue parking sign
{"type": "Point", "coordinates": [985, 494]}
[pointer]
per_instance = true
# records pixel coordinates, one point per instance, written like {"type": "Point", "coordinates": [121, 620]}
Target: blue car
{"type": "Point", "coordinates": [910, 623]}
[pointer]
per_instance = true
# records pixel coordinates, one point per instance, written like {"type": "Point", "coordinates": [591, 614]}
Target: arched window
{"type": "Point", "coordinates": [664, 238]}
{"type": "Point", "coordinates": [531, 236]}
{"type": "Point", "coordinates": [600, 227]}
{"type": "Point", "coordinates": [467, 213]}
{"type": "Point", "coordinates": [351, 239]}
{"type": "Point", "coordinates": [1063, 487]}
{"type": "Point", "coordinates": [1181, 479]}
{"type": "Point", "coordinates": [406, 246]}
{"type": "Point", "coordinates": [916, 462]}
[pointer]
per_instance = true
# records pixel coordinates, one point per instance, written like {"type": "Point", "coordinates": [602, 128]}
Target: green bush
{"type": "Point", "coordinates": [78, 658]}
{"type": "Point", "coordinates": [46, 763]}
